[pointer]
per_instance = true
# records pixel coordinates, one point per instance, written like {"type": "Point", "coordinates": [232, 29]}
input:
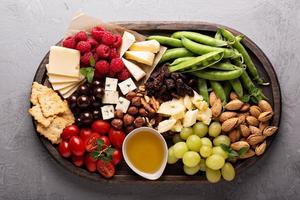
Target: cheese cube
{"type": "Point", "coordinates": [108, 112]}
{"type": "Point", "coordinates": [127, 86]}
{"type": "Point", "coordinates": [111, 84]}
{"type": "Point", "coordinates": [110, 97]}
{"type": "Point", "coordinates": [123, 104]}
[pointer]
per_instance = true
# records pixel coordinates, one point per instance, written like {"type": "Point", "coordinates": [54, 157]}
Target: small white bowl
{"type": "Point", "coordinates": [159, 172]}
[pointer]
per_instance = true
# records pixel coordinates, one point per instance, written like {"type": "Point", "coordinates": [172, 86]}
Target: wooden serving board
{"type": "Point", "coordinates": [174, 173]}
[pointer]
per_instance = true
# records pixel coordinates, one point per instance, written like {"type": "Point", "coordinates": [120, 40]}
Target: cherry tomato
{"type": "Point", "coordinates": [106, 169]}
{"type": "Point", "coordinates": [77, 160]}
{"type": "Point", "coordinates": [116, 137]}
{"type": "Point", "coordinates": [64, 149]}
{"type": "Point", "coordinates": [90, 143]}
{"type": "Point", "coordinates": [76, 146]}
{"type": "Point", "coordinates": [116, 157]}
{"type": "Point", "coordinates": [85, 133]}
{"type": "Point", "coordinates": [105, 140]}
{"type": "Point", "coordinates": [70, 131]}
{"type": "Point", "coordinates": [90, 163]}
{"type": "Point", "coordinates": [101, 126]}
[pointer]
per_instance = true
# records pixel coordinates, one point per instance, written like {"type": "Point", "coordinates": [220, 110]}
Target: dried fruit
{"type": "Point", "coordinates": [245, 131]}
{"type": "Point", "coordinates": [245, 107]}
{"type": "Point", "coordinates": [260, 149]}
{"type": "Point", "coordinates": [265, 116]}
{"type": "Point", "coordinates": [212, 98]}
{"type": "Point", "coordinates": [136, 101]}
{"type": "Point", "coordinates": [132, 110]}
{"type": "Point", "coordinates": [139, 122]}
{"type": "Point", "coordinates": [227, 115]}
{"type": "Point", "coordinates": [240, 144]}
{"type": "Point", "coordinates": [250, 153]}
{"type": "Point", "coordinates": [265, 106]}
{"type": "Point", "coordinates": [252, 121]}
{"type": "Point", "coordinates": [255, 139]}
{"type": "Point", "coordinates": [130, 95]}
{"type": "Point", "coordinates": [234, 135]}
{"type": "Point", "coordinates": [128, 119]}
{"type": "Point", "coordinates": [229, 124]}
{"type": "Point", "coordinates": [255, 130]}
{"type": "Point", "coordinates": [234, 105]}
{"type": "Point", "coordinates": [270, 130]}
{"type": "Point", "coordinates": [216, 109]}
{"type": "Point", "coordinates": [255, 111]}
{"type": "Point", "coordinates": [117, 124]}
{"type": "Point", "coordinates": [143, 112]}
{"type": "Point", "coordinates": [119, 114]}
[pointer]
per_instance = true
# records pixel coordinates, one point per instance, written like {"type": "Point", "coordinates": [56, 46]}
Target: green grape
{"type": "Point", "coordinates": [221, 139]}
{"type": "Point", "coordinates": [214, 129]}
{"type": "Point", "coordinates": [179, 149]}
{"type": "Point", "coordinates": [202, 165]}
{"type": "Point", "coordinates": [171, 157]}
{"type": "Point", "coordinates": [213, 176]}
{"type": "Point", "coordinates": [177, 138]}
{"type": "Point", "coordinates": [191, 170]}
{"type": "Point", "coordinates": [228, 172]}
{"type": "Point", "coordinates": [186, 132]}
{"type": "Point", "coordinates": [215, 161]}
{"type": "Point", "coordinates": [191, 159]}
{"type": "Point", "coordinates": [206, 142]}
{"type": "Point", "coordinates": [220, 151]}
{"type": "Point", "coordinates": [205, 151]}
{"type": "Point", "coordinates": [200, 129]}
{"type": "Point", "coordinates": [194, 143]}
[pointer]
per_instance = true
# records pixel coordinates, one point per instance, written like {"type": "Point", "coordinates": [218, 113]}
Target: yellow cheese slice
{"type": "Point", "coordinates": [60, 86]}
{"type": "Point", "coordinates": [64, 79]}
{"type": "Point", "coordinates": [68, 93]}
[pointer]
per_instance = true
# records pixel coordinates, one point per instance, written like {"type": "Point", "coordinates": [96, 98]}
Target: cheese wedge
{"type": "Point", "coordinates": [127, 40]}
{"type": "Point", "coordinates": [64, 79]}
{"type": "Point", "coordinates": [149, 45]}
{"type": "Point", "coordinates": [60, 86]}
{"type": "Point", "coordinates": [134, 70]}
{"type": "Point", "coordinates": [67, 92]}
{"type": "Point", "coordinates": [140, 56]}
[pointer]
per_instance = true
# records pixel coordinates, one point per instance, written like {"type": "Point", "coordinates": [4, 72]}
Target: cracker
{"type": "Point", "coordinates": [51, 104]}
{"type": "Point", "coordinates": [68, 115]}
{"type": "Point", "coordinates": [36, 90]}
{"type": "Point", "coordinates": [36, 112]}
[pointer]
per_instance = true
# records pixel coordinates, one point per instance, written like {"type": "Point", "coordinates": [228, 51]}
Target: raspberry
{"type": "Point", "coordinates": [83, 46]}
{"type": "Point", "coordinates": [80, 36]}
{"type": "Point", "coordinates": [101, 68]}
{"type": "Point", "coordinates": [69, 42]}
{"type": "Point", "coordinates": [93, 42]}
{"type": "Point", "coordinates": [96, 57]}
{"type": "Point", "coordinates": [108, 38]}
{"type": "Point", "coordinates": [97, 34]}
{"type": "Point", "coordinates": [124, 74]}
{"type": "Point", "coordinates": [114, 53]}
{"type": "Point", "coordinates": [85, 58]}
{"type": "Point", "coordinates": [103, 51]}
{"type": "Point", "coordinates": [99, 28]}
{"type": "Point", "coordinates": [116, 65]}
{"type": "Point", "coordinates": [118, 41]}
{"type": "Point", "coordinates": [111, 74]}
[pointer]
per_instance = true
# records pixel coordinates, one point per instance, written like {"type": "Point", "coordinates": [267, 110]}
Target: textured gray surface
{"type": "Point", "coordinates": [29, 27]}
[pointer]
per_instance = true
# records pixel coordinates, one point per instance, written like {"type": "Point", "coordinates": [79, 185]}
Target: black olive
{"type": "Point", "coordinates": [83, 89]}
{"type": "Point", "coordinates": [86, 118]}
{"type": "Point", "coordinates": [98, 92]}
{"type": "Point", "coordinates": [78, 121]}
{"type": "Point", "coordinates": [72, 101]}
{"type": "Point", "coordinates": [96, 114]}
{"type": "Point", "coordinates": [96, 83]}
{"type": "Point", "coordinates": [96, 103]}
{"type": "Point", "coordinates": [83, 101]}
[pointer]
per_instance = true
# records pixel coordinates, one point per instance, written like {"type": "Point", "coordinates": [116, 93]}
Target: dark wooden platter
{"type": "Point", "coordinates": [174, 173]}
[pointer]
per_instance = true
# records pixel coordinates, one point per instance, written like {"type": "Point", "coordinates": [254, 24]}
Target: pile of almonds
{"type": "Point", "coordinates": [246, 125]}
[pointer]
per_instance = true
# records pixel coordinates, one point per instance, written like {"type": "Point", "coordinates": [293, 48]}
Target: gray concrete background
{"type": "Point", "coordinates": [29, 27]}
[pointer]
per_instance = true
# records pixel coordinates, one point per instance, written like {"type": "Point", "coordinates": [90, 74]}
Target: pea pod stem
{"type": "Point", "coordinates": [217, 75]}
{"type": "Point", "coordinates": [202, 89]}
{"type": "Point", "coordinates": [175, 53]}
{"type": "Point", "coordinates": [164, 40]}
{"type": "Point", "coordinates": [219, 91]}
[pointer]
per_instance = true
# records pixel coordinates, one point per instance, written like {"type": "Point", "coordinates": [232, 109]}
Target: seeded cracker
{"type": "Point", "coordinates": [36, 90]}
{"type": "Point", "coordinates": [51, 103]}
{"type": "Point", "coordinates": [36, 112]}
{"type": "Point", "coordinates": [68, 115]}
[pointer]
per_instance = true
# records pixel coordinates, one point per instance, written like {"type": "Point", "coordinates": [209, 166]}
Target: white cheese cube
{"type": "Point", "coordinates": [127, 86]}
{"type": "Point", "coordinates": [110, 97]}
{"type": "Point", "coordinates": [123, 104]}
{"type": "Point", "coordinates": [108, 112]}
{"type": "Point", "coordinates": [111, 84]}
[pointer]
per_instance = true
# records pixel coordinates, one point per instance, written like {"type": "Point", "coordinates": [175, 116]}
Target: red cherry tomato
{"type": "Point", "coordinates": [101, 126]}
{"type": "Point", "coordinates": [90, 163]}
{"type": "Point", "coordinates": [77, 160]}
{"type": "Point", "coordinates": [70, 131]}
{"type": "Point", "coordinates": [64, 149]}
{"type": "Point", "coordinates": [106, 169]}
{"type": "Point", "coordinates": [85, 133]}
{"type": "Point", "coordinates": [105, 140]}
{"type": "Point", "coordinates": [116, 157]}
{"type": "Point", "coordinates": [90, 143]}
{"type": "Point", "coordinates": [116, 137]}
{"type": "Point", "coordinates": [76, 146]}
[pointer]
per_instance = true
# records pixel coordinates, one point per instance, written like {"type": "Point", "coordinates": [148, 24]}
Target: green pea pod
{"type": "Point", "coordinates": [239, 37]}
{"type": "Point", "coordinates": [216, 75]}
{"type": "Point", "coordinates": [218, 35]}
{"type": "Point", "coordinates": [198, 37]}
{"type": "Point", "coordinates": [202, 89]}
{"type": "Point", "coordinates": [219, 91]}
{"type": "Point", "coordinates": [199, 62]}
{"type": "Point", "coordinates": [168, 41]}
{"type": "Point", "coordinates": [175, 53]}
{"type": "Point", "coordinates": [180, 60]}
{"type": "Point", "coordinates": [224, 66]}
{"type": "Point", "coordinates": [227, 89]}
{"type": "Point", "coordinates": [237, 87]}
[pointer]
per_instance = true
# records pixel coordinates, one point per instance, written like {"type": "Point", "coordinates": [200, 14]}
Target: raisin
{"type": "Point", "coordinates": [170, 83]}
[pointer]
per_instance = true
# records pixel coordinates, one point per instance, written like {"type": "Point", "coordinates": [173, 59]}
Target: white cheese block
{"type": "Point", "coordinates": [111, 84]}
{"type": "Point", "coordinates": [144, 57]}
{"type": "Point", "coordinates": [134, 70]}
{"type": "Point", "coordinates": [123, 104]}
{"type": "Point", "coordinates": [127, 86]}
{"type": "Point", "coordinates": [59, 86]}
{"type": "Point", "coordinates": [108, 112]}
{"type": "Point", "coordinates": [127, 40]}
{"type": "Point", "coordinates": [64, 61]}
{"type": "Point", "coordinates": [64, 79]}
{"type": "Point", "coordinates": [110, 97]}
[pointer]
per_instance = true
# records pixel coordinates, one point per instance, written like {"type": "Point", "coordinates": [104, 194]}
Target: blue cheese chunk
{"type": "Point", "coordinates": [108, 112]}
{"type": "Point", "coordinates": [127, 86]}
{"type": "Point", "coordinates": [123, 104]}
{"type": "Point", "coordinates": [110, 97]}
{"type": "Point", "coordinates": [111, 84]}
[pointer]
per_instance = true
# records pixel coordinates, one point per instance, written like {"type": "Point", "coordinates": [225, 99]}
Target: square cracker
{"type": "Point", "coordinates": [36, 112]}
{"type": "Point", "coordinates": [36, 90]}
{"type": "Point", "coordinates": [68, 115]}
{"type": "Point", "coordinates": [51, 104]}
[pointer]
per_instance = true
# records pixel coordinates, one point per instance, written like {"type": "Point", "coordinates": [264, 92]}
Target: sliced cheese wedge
{"type": "Point", "coordinates": [140, 56]}
{"type": "Point", "coordinates": [127, 40]}
{"type": "Point", "coordinates": [60, 86]}
{"type": "Point", "coordinates": [149, 45]}
{"type": "Point", "coordinates": [66, 93]}
{"type": "Point", "coordinates": [64, 79]}
{"type": "Point", "coordinates": [134, 70]}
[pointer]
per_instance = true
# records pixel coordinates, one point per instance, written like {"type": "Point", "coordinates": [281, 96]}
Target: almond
{"type": "Point", "coordinates": [263, 125]}
{"type": "Point", "coordinates": [265, 106]}
{"type": "Point", "coordinates": [212, 98]}
{"type": "Point", "coordinates": [240, 144]}
{"type": "Point", "coordinates": [252, 121]}
{"type": "Point", "coordinates": [255, 139]}
{"type": "Point", "coordinates": [255, 111]}
{"type": "Point", "coordinates": [233, 96]}
{"type": "Point", "coordinates": [260, 149]}
{"type": "Point", "coordinates": [255, 130]}
{"type": "Point", "coordinates": [250, 153]}
{"type": "Point", "coordinates": [234, 135]}
{"type": "Point", "coordinates": [216, 109]}
{"type": "Point", "coordinates": [234, 105]}
{"type": "Point", "coordinates": [270, 130]}
{"type": "Point", "coordinates": [265, 116]}
{"type": "Point", "coordinates": [242, 119]}
{"type": "Point", "coordinates": [245, 131]}
{"type": "Point", "coordinates": [227, 115]}
{"type": "Point", "coordinates": [245, 107]}
{"type": "Point", "coordinates": [229, 124]}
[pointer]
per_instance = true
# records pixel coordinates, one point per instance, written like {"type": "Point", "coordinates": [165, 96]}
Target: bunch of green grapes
{"type": "Point", "coordinates": [200, 150]}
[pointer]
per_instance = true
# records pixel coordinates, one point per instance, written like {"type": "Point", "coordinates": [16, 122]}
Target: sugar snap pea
{"type": "Point", "coordinates": [164, 40]}
{"type": "Point", "coordinates": [202, 89]}
{"type": "Point", "coordinates": [227, 89]}
{"type": "Point", "coordinates": [237, 87]}
{"type": "Point", "coordinates": [218, 35]}
{"type": "Point", "coordinates": [219, 91]}
{"type": "Point", "coordinates": [175, 53]}
{"type": "Point", "coordinates": [198, 37]}
{"type": "Point", "coordinates": [224, 66]}
{"type": "Point", "coordinates": [179, 60]}
{"type": "Point", "coordinates": [216, 75]}
{"type": "Point", "coordinates": [201, 49]}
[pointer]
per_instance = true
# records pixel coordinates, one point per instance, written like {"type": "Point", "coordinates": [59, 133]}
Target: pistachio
{"type": "Point", "coordinates": [255, 111]}
{"type": "Point", "coordinates": [265, 116]}
{"type": "Point", "coordinates": [270, 130]}
{"type": "Point", "coordinates": [147, 98]}
{"type": "Point", "coordinates": [216, 109]}
{"type": "Point", "coordinates": [229, 124]}
{"type": "Point", "coordinates": [212, 98]}
{"type": "Point", "coordinates": [242, 119]}
{"type": "Point", "coordinates": [255, 139]}
{"type": "Point", "coordinates": [255, 130]}
{"type": "Point", "coordinates": [250, 153]}
{"type": "Point", "coordinates": [252, 121]}
{"type": "Point", "coordinates": [245, 107]}
{"type": "Point", "coordinates": [234, 135]}
{"type": "Point", "coordinates": [260, 149]}
{"type": "Point", "coordinates": [265, 106]}
{"type": "Point", "coordinates": [233, 96]}
{"type": "Point", "coordinates": [263, 125]}
{"type": "Point", "coordinates": [245, 131]}
{"type": "Point", "coordinates": [227, 115]}
{"type": "Point", "coordinates": [240, 144]}
{"type": "Point", "coordinates": [234, 105]}
{"type": "Point", "coordinates": [154, 103]}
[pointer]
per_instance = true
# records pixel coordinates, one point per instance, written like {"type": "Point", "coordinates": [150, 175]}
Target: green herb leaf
{"type": "Point", "coordinates": [242, 151]}
{"type": "Point", "coordinates": [100, 144]}
{"type": "Point", "coordinates": [92, 61]}
{"type": "Point", "coordinates": [88, 72]}
{"type": "Point", "coordinates": [233, 154]}
{"type": "Point", "coordinates": [225, 148]}
{"type": "Point", "coordinates": [109, 151]}
{"type": "Point", "coordinates": [105, 159]}
{"type": "Point", "coordinates": [95, 155]}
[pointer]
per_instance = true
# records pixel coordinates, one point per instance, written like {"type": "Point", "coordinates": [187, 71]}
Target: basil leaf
{"type": "Point", "coordinates": [105, 159]}
{"type": "Point", "coordinates": [90, 76]}
{"type": "Point", "coordinates": [95, 155]}
{"type": "Point", "coordinates": [88, 72]}
{"type": "Point", "coordinates": [100, 144]}
{"type": "Point", "coordinates": [109, 151]}
{"type": "Point", "coordinates": [92, 61]}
